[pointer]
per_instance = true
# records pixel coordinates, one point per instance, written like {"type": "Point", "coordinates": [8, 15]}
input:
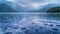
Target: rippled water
{"type": "Point", "coordinates": [29, 24]}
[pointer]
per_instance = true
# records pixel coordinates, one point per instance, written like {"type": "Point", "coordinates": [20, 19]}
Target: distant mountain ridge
{"type": "Point", "coordinates": [13, 7]}
{"type": "Point", "coordinates": [46, 7]}
{"type": "Point", "coordinates": [6, 8]}
{"type": "Point", "coordinates": [17, 7]}
{"type": "Point", "coordinates": [10, 7]}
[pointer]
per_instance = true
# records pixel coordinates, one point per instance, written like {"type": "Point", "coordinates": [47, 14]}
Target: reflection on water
{"type": "Point", "coordinates": [29, 24]}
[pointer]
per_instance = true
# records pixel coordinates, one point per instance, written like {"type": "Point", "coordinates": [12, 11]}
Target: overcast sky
{"type": "Point", "coordinates": [35, 4]}
{"type": "Point", "coordinates": [28, 2]}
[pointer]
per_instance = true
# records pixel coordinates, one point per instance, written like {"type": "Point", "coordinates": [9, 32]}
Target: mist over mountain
{"type": "Point", "coordinates": [46, 7]}
{"type": "Point", "coordinates": [14, 7]}
{"type": "Point", "coordinates": [6, 8]}
{"type": "Point", "coordinates": [10, 7]}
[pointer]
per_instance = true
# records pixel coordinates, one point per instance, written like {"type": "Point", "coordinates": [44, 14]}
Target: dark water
{"type": "Point", "coordinates": [29, 24]}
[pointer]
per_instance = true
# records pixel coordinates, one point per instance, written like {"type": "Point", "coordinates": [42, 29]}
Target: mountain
{"type": "Point", "coordinates": [18, 7]}
{"type": "Point", "coordinates": [14, 7]}
{"type": "Point", "coordinates": [10, 7]}
{"type": "Point", "coordinates": [46, 7]}
{"type": "Point", "coordinates": [6, 8]}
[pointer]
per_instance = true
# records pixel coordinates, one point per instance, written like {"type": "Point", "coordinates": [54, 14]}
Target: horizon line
{"type": "Point", "coordinates": [25, 13]}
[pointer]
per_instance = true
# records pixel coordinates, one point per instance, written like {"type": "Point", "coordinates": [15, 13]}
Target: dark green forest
{"type": "Point", "coordinates": [56, 11]}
